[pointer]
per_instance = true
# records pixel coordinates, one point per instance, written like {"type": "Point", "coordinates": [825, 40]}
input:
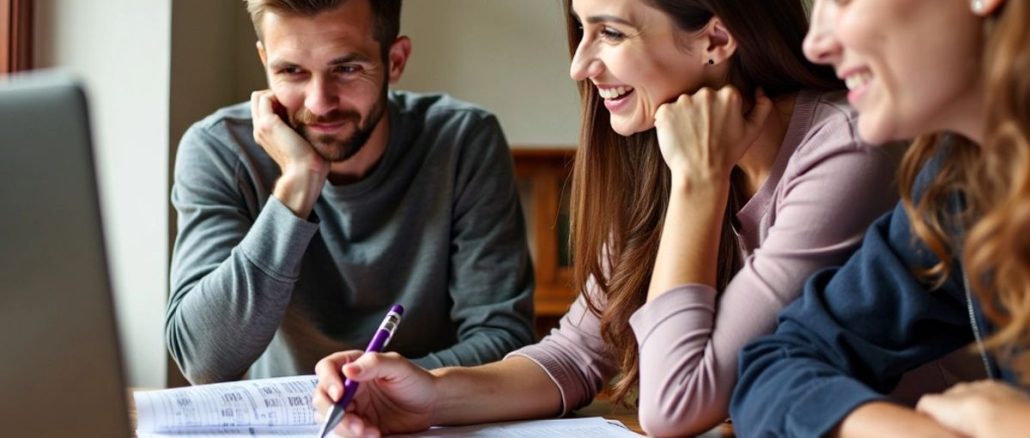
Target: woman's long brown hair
{"type": "Point", "coordinates": [620, 184]}
{"type": "Point", "coordinates": [994, 181]}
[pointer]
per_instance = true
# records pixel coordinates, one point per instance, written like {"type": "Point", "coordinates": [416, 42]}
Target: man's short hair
{"type": "Point", "coordinates": [387, 15]}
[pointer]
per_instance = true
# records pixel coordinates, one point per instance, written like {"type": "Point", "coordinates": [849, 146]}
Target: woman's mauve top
{"type": "Point", "coordinates": [825, 187]}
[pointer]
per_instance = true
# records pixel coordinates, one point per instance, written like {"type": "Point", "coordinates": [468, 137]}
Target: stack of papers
{"type": "Point", "coordinates": [281, 407]}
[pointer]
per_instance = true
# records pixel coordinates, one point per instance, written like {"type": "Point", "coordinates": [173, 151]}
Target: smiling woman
{"type": "Point", "coordinates": [684, 103]}
{"type": "Point", "coordinates": [15, 35]}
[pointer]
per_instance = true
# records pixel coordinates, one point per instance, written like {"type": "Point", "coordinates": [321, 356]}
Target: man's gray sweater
{"type": "Point", "coordinates": [435, 226]}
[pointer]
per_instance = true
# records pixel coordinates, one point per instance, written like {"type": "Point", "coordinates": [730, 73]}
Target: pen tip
{"type": "Point", "coordinates": [397, 308]}
{"type": "Point", "coordinates": [327, 423]}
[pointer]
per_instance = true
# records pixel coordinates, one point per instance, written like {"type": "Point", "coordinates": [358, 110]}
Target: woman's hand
{"type": "Point", "coordinates": [703, 135]}
{"type": "Point", "coordinates": [395, 395]}
{"type": "Point", "coordinates": [986, 408]}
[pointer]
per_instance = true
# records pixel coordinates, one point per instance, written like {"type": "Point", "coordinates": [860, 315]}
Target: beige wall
{"type": "Point", "coordinates": [119, 48]}
{"type": "Point", "coordinates": [510, 56]}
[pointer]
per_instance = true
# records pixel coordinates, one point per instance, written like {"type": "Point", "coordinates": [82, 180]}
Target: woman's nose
{"type": "Point", "coordinates": [584, 64]}
{"type": "Point", "coordinates": [821, 45]}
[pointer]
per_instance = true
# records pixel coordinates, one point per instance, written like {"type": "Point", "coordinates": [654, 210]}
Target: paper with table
{"type": "Point", "coordinates": [276, 407]}
{"type": "Point", "coordinates": [281, 407]}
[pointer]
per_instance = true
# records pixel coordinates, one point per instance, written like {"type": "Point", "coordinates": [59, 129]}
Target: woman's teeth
{"type": "Point", "coordinates": [613, 93]}
{"type": "Point", "coordinates": [856, 80]}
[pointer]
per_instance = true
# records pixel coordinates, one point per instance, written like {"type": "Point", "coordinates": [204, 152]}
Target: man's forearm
{"type": "Point", "coordinates": [220, 323]}
{"type": "Point", "coordinates": [220, 326]}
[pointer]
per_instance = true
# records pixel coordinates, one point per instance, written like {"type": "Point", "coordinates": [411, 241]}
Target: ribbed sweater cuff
{"type": "Point", "coordinates": [554, 369]}
{"type": "Point", "coordinates": [650, 317]}
{"type": "Point", "coordinates": [278, 240]}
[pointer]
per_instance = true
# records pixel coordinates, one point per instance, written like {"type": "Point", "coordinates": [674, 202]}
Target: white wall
{"type": "Point", "coordinates": [510, 56]}
{"type": "Point", "coordinates": [120, 49]}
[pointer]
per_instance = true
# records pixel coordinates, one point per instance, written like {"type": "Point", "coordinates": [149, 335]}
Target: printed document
{"type": "Point", "coordinates": [281, 407]}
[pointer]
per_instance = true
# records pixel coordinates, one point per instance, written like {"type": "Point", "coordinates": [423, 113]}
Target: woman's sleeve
{"type": "Point", "coordinates": [690, 337]}
{"type": "Point", "coordinates": [573, 355]}
{"type": "Point", "coordinates": [849, 338]}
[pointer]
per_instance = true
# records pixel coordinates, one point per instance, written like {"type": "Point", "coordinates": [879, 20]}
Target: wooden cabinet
{"type": "Point", "coordinates": [544, 190]}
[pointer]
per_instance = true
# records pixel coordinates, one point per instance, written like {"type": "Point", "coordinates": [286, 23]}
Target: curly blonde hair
{"type": "Point", "coordinates": [997, 250]}
{"type": "Point", "coordinates": [994, 180]}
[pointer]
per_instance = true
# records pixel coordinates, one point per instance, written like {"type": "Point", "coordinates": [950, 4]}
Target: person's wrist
{"type": "Point", "coordinates": [699, 184]}
{"type": "Point", "coordinates": [303, 176]}
{"type": "Point", "coordinates": [298, 190]}
{"type": "Point", "coordinates": [310, 166]}
{"type": "Point", "coordinates": [438, 413]}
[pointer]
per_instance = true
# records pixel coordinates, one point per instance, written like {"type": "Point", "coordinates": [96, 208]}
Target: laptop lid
{"type": "Point", "coordinates": [60, 373]}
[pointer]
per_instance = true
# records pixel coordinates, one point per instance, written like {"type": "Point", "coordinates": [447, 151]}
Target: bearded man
{"type": "Point", "coordinates": [306, 213]}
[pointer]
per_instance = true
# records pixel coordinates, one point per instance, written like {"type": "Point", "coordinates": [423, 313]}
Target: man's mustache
{"type": "Point", "coordinates": [307, 118]}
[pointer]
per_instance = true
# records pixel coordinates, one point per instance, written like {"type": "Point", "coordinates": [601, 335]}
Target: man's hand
{"type": "Point", "coordinates": [304, 171]}
{"type": "Point", "coordinates": [395, 395]}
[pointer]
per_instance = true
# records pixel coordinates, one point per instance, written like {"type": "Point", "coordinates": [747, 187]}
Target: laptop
{"type": "Point", "coordinates": [60, 370]}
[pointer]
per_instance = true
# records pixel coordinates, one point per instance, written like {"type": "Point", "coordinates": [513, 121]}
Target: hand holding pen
{"type": "Point", "coordinates": [378, 343]}
{"type": "Point", "coordinates": [396, 397]}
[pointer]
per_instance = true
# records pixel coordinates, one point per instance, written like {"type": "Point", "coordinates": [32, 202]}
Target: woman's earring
{"type": "Point", "coordinates": [978, 6]}
{"type": "Point", "coordinates": [710, 62]}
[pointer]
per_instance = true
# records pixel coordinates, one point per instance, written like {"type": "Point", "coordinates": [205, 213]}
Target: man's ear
{"type": "Point", "coordinates": [398, 56]}
{"type": "Point", "coordinates": [721, 45]}
{"type": "Point", "coordinates": [261, 53]}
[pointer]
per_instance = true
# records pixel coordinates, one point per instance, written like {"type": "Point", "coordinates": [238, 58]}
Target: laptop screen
{"type": "Point", "coordinates": [60, 373]}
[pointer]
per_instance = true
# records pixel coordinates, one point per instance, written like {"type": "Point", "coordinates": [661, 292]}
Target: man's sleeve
{"type": "Point", "coordinates": [849, 338]}
{"type": "Point", "coordinates": [491, 278]}
{"type": "Point", "coordinates": [232, 275]}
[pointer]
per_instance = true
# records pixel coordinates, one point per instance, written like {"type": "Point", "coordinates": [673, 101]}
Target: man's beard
{"type": "Point", "coordinates": [333, 148]}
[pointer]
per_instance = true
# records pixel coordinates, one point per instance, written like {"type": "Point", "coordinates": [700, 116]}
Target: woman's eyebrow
{"type": "Point", "coordinates": [603, 18]}
{"type": "Point", "coordinates": [593, 19]}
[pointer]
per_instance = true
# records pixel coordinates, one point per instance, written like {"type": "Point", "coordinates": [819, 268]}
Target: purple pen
{"type": "Point", "coordinates": [378, 343]}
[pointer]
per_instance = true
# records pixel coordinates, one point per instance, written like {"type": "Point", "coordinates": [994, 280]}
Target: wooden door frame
{"type": "Point", "coordinates": [15, 35]}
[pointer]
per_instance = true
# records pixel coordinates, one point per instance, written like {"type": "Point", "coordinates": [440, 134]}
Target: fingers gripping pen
{"type": "Point", "coordinates": [378, 343]}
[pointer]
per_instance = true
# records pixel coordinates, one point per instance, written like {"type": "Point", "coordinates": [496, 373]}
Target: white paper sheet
{"type": "Point", "coordinates": [281, 408]}
{"type": "Point", "coordinates": [264, 403]}
{"type": "Point", "coordinates": [593, 427]}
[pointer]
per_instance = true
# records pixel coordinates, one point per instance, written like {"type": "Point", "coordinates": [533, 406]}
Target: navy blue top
{"type": "Point", "coordinates": [852, 334]}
